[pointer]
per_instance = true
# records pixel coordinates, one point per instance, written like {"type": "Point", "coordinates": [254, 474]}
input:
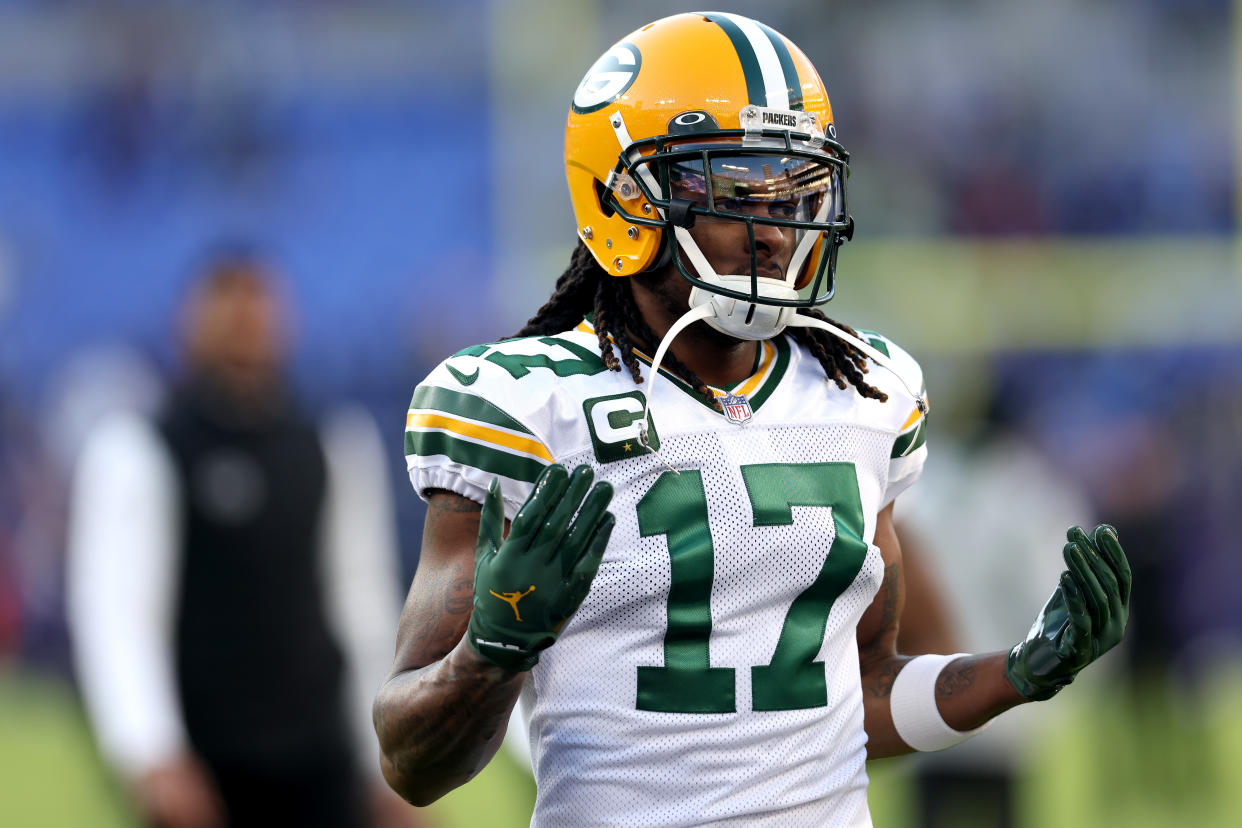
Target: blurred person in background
{"type": "Point", "coordinates": [14, 463]}
{"type": "Point", "coordinates": [232, 583]}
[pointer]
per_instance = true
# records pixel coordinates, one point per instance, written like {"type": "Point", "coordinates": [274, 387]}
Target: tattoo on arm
{"type": "Point", "coordinates": [441, 596]}
{"type": "Point", "coordinates": [955, 677]}
{"type": "Point", "coordinates": [442, 713]}
{"type": "Point", "coordinates": [439, 624]}
{"type": "Point", "coordinates": [440, 726]}
{"type": "Point", "coordinates": [880, 653]}
{"type": "Point", "coordinates": [888, 617]}
{"type": "Point", "coordinates": [882, 687]}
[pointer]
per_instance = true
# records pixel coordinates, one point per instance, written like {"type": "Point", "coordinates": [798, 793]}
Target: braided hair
{"type": "Point", "coordinates": [585, 287]}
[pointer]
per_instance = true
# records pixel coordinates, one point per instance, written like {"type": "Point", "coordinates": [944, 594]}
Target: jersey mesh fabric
{"type": "Point", "coordinates": [601, 761]}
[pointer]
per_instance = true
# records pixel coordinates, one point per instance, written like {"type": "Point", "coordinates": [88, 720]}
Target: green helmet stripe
{"type": "Point", "coordinates": [787, 65]}
{"type": "Point", "coordinates": [756, 91]}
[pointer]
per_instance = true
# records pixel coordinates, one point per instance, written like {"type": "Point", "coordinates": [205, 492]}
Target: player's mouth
{"type": "Point", "coordinates": [767, 271]}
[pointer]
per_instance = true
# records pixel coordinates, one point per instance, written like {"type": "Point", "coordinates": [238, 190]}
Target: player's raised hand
{"type": "Point", "coordinates": [527, 585]}
{"type": "Point", "coordinates": [1085, 617]}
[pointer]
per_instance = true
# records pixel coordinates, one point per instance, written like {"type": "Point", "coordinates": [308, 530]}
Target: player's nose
{"type": "Point", "coordinates": [771, 240]}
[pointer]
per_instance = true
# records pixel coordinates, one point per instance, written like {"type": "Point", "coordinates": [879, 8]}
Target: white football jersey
{"type": "Point", "coordinates": [711, 675]}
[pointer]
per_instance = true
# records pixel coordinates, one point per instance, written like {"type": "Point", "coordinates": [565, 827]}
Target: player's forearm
{"type": "Point", "coordinates": [440, 725]}
{"type": "Point", "coordinates": [970, 691]}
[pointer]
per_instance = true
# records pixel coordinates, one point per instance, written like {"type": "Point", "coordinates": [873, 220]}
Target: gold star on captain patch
{"type": "Point", "coordinates": [627, 446]}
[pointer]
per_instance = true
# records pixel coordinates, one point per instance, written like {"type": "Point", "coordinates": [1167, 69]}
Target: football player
{"type": "Point", "coordinates": [700, 618]}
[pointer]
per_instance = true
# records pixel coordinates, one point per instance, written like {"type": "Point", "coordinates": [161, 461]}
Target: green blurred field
{"type": "Point", "coordinates": [1148, 761]}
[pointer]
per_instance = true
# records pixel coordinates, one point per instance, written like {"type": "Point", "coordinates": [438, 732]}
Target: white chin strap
{"type": "Point", "coordinates": [804, 321]}
{"type": "Point", "coordinates": [725, 314]}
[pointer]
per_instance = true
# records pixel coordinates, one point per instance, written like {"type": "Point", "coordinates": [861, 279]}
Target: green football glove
{"type": "Point", "coordinates": [1085, 617]}
{"type": "Point", "coordinates": [527, 585]}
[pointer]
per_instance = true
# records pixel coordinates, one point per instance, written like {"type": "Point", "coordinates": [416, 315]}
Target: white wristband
{"type": "Point", "coordinates": [913, 704]}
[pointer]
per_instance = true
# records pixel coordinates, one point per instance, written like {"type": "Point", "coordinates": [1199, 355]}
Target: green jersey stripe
{"type": "Point", "coordinates": [874, 340]}
{"type": "Point", "coordinates": [911, 440]}
{"type": "Point", "coordinates": [490, 460]}
{"type": "Point", "coordinates": [774, 379]}
{"type": "Point", "coordinates": [463, 405]}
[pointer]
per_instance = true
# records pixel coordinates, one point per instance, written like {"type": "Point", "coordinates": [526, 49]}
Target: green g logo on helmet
{"type": "Point", "coordinates": [608, 79]}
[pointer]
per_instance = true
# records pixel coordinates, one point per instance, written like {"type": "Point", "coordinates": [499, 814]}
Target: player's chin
{"type": "Point", "coordinates": [713, 336]}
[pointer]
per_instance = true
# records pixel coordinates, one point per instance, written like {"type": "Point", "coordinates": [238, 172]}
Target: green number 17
{"type": "Point", "coordinates": [676, 506]}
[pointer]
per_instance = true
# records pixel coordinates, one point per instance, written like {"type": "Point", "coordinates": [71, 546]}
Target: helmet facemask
{"type": "Point", "coordinates": [774, 177]}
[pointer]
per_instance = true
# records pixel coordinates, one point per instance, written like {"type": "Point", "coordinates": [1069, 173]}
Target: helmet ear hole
{"type": "Point", "coordinates": [601, 194]}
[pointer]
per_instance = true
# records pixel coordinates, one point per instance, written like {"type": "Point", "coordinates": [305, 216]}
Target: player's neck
{"type": "Point", "coordinates": [717, 359]}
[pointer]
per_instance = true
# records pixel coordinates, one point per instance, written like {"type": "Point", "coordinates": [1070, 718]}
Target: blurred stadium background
{"type": "Point", "coordinates": [1047, 200]}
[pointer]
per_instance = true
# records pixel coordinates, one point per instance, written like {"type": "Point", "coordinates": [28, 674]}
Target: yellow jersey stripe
{"type": "Point", "coordinates": [759, 376]}
{"type": "Point", "coordinates": [416, 419]}
{"type": "Point", "coordinates": [915, 414]}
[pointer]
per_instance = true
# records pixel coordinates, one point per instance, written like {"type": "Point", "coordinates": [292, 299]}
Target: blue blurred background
{"type": "Point", "coordinates": [1047, 202]}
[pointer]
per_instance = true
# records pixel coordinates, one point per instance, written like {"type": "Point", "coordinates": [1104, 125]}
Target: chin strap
{"type": "Point", "coordinates": [801, 320]}
{"type": "Point", "coordinates": [688, 318]}
{"type": "Point", "coordinates": [798, 320]}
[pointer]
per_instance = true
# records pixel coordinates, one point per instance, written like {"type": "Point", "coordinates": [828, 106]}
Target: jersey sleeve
{"type": "Point", "coordinates": [909, 450]}
{"type": "Point", "coordinates": [467, 425]}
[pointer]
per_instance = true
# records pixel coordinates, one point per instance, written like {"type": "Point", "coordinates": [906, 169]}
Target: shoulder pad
{"type": "Point", "coordinates": [487, 408]}
{"type": "Point", "coordinates": [909, 420]}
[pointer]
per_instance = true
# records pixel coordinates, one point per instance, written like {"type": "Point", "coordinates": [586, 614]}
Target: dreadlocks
{"type": "Point", "coordinates": [585, 287]}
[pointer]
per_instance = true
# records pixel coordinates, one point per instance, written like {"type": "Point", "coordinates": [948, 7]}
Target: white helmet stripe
{"type": "Point", "coordinates": [769, 63]}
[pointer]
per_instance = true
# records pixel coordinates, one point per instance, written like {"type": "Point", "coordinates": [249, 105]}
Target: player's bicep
{"type": "Point", "coordinates": [438, 605]}
{"type": "Point", "coordinates": [877, 631]}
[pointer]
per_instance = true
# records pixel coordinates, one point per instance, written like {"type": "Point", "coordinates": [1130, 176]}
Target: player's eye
{"type": "Point", "coordinates": [783, 209]}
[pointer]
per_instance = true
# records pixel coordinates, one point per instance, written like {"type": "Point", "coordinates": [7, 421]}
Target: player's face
{"type": "Point", "coordinates": [743, 201]}
{"type": "Point", "coordinates": [738, 186]}
{"type": "Point", "coordinates": [235, 330]}
{"type": "Point", "coordinates": [726, 244]}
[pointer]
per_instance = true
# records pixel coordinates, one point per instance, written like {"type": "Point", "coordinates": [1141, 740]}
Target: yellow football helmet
{"type": "Point", "coordinates": [709, 115]}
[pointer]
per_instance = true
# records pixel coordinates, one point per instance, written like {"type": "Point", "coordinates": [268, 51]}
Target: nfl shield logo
{"type": "Point", "coordinates": [736, 408]}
